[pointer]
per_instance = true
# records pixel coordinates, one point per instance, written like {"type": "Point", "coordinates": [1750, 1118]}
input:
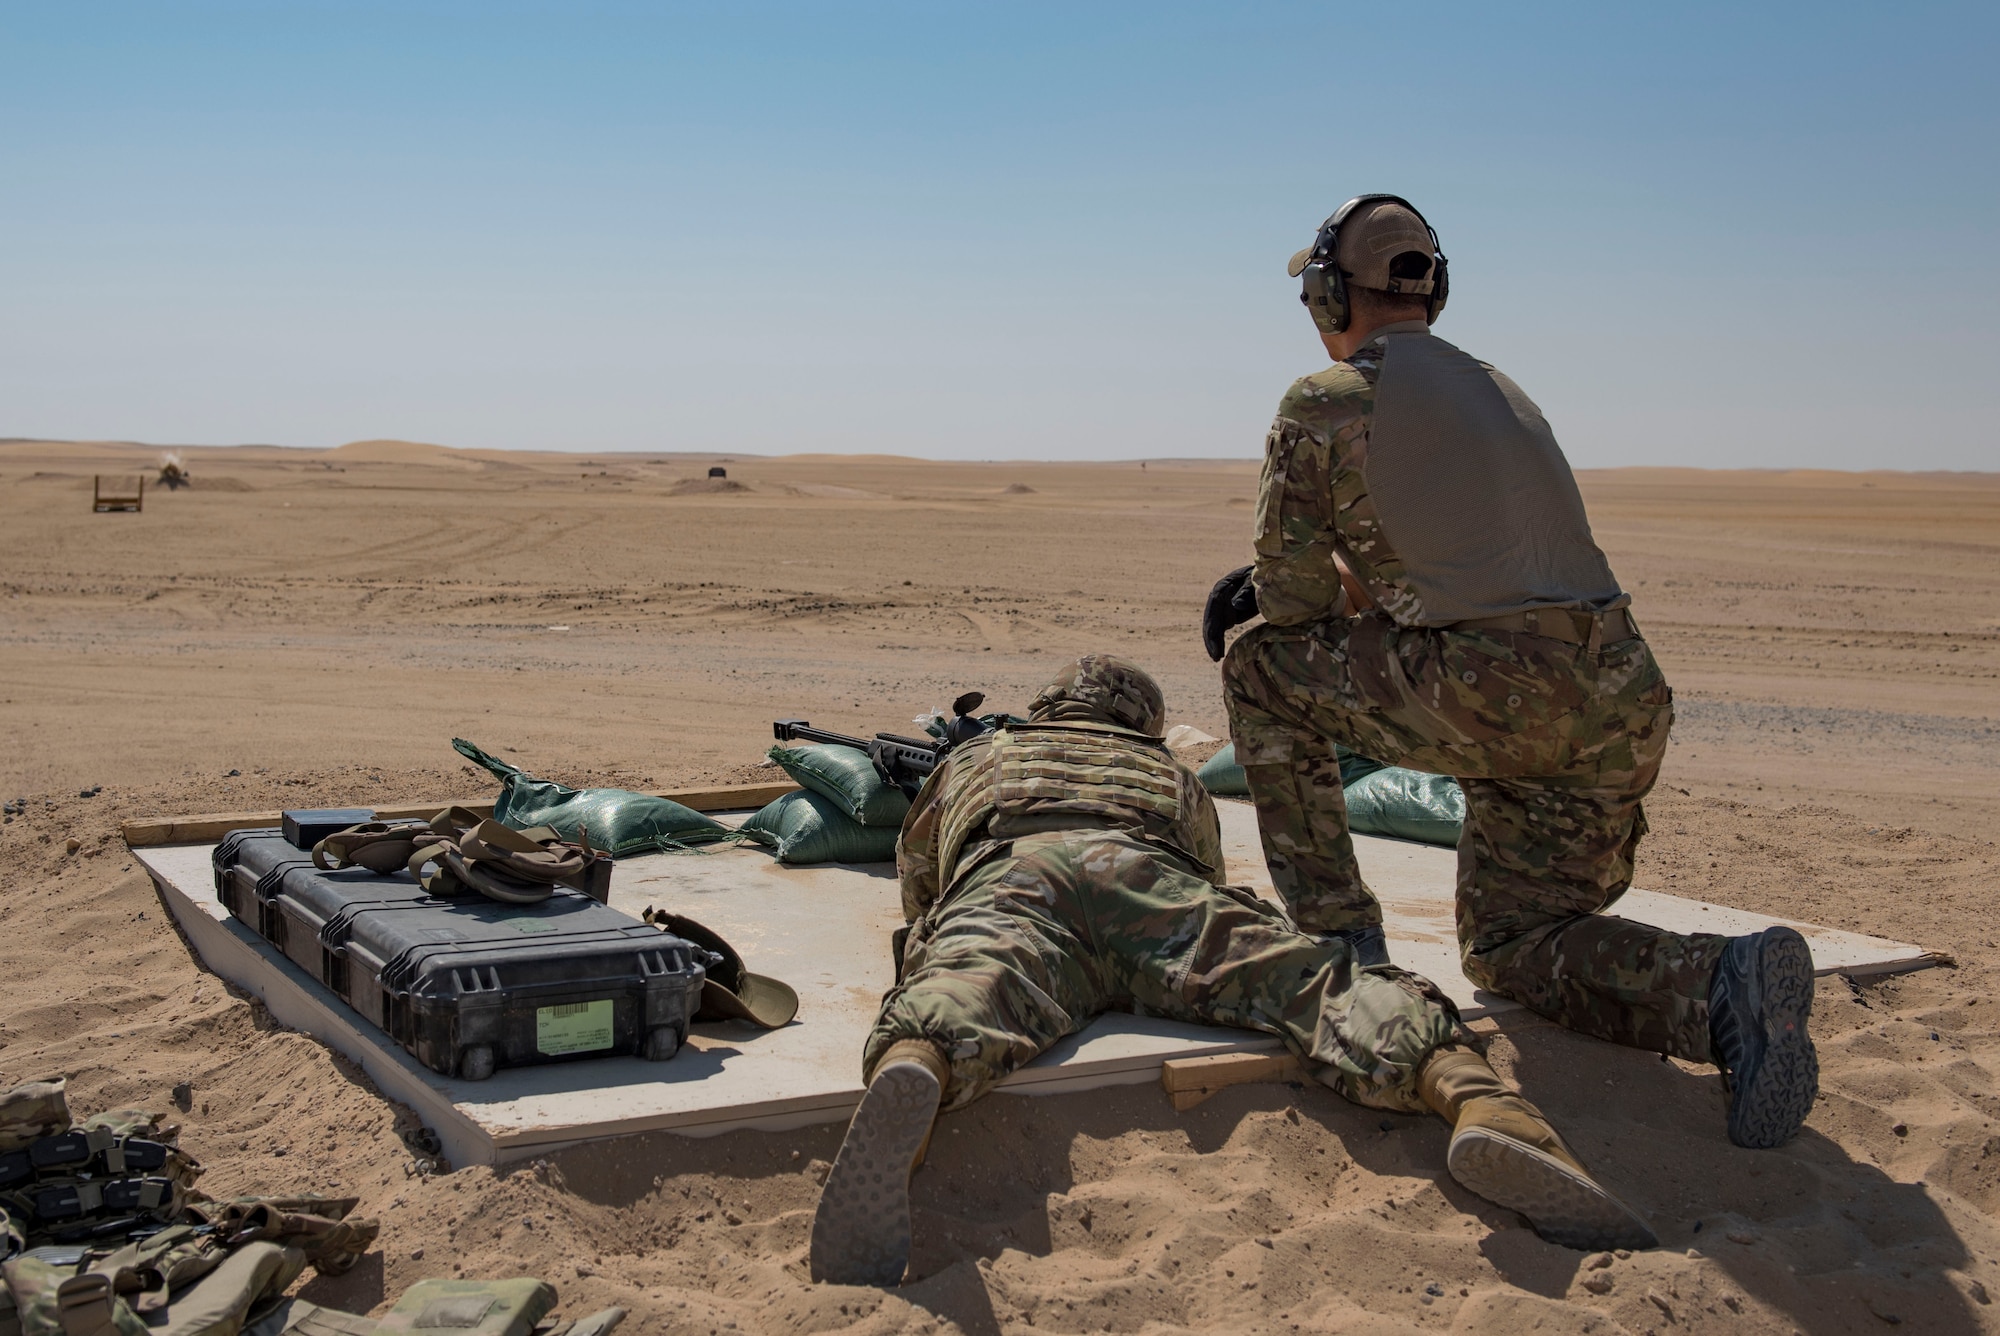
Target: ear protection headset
{"type": "Point", "coordinates": [1323, 288]}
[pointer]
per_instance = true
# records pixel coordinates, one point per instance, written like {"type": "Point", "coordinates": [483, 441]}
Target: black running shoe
{"type": "Point", "coordinates": [1758, 1007]}
{"type": "Point", "coordinates": [861, 1231]}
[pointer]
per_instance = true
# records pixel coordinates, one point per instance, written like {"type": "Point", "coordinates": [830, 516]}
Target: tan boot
{"type": "Point", "coordinates": [861, 1231]}
{"type": "Point", "coordinates": [1504, 1149]}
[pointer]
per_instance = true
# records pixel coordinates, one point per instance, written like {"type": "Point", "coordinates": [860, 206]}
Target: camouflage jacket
{"type": "Point", "coordinates": [1030, 779]}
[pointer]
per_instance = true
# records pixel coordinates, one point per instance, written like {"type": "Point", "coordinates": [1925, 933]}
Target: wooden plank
{"type": "Point", "coordinates": [152, 832]}
{"type": "Point", "coordinates": [1189, 1081]}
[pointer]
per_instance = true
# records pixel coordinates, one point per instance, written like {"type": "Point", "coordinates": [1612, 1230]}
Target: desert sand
{"type": "Point", "coordinates": [304, 627]}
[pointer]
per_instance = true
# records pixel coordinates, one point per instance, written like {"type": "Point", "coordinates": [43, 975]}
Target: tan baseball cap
{"type": "Point", "coordinates": [1370, 239]}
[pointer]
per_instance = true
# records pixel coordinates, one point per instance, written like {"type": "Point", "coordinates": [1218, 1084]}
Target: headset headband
{"type": "Point", "coordinates": [1324, 287]}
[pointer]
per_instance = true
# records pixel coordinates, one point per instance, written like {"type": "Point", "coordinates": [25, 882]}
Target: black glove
{"type": "Point", "coordinates": [1232, 602]}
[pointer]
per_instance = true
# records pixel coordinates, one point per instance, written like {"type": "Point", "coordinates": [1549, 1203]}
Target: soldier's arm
{"type": "Point", "coordinates": [1201, 828]}
{"type": "Point", "coordinates": [1297, 573]}
{"type": "Point", "coordinates": [916, 848]}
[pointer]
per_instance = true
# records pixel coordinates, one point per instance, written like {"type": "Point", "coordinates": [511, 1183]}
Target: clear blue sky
{"type": "Point", "coordinates": [1705, 234]}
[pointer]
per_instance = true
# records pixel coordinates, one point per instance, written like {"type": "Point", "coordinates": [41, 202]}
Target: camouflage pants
{"type": "Point", "coordinates": [1034, 944]}
{"type": "Point", "coordinates": [1554, 747]}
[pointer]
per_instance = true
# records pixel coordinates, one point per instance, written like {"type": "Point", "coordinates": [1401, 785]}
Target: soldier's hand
{"type": "Point", "coordinates": [1232, 602]}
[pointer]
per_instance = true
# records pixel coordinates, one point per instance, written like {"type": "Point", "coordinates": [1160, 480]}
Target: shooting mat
{"type": "Point", "coordinates": [825, 930]}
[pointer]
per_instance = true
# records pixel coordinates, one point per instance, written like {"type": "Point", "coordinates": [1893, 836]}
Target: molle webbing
{"type": "Point", "coordinates": [1044, 771]}
{"type": "Point", "coordinates": [1099, 776]}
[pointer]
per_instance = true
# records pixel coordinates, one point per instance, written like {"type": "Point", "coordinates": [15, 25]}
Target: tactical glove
{"type": "Point", "coordinates": [1232, 602]}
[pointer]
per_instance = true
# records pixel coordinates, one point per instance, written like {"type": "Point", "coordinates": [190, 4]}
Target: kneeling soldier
{"type": "Point", "coordinates": [1058, 870]}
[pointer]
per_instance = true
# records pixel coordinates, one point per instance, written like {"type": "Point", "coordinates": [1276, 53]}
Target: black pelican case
{"type": "Point", "coordinates": [468, 984]}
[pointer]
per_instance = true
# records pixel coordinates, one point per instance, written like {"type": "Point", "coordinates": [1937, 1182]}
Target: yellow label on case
{"type": "Point", "coordinates": [573, 1027]}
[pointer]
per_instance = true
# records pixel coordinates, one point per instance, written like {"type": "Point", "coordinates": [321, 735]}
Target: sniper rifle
{"type": "Point", "coordinates": [904, 762]}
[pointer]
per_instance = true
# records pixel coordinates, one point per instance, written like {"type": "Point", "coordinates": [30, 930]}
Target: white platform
{"type": "Point", "coordinates": [825, 931]}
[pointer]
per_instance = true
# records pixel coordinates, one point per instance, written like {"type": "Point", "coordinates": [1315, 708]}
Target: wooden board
{"type": "Point", "coordinates": [153, 832]}
{"type": "Point", "coordinates": [1189, 1081]}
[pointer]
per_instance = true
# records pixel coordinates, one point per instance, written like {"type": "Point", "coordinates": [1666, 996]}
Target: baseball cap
{"type": "Point", "coordinates": [1372, 238]}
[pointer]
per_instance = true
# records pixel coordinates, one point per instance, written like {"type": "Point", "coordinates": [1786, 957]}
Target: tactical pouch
{"type": "Point", "coordinates": [471, 1307]}
{"type": "Point", "coordinates": [157, 1197]}
{"type": "Point", "coordinates": [83, 1150]}
{"type": "Point", "coordinates": [1074, 771]}
{"type": "Point", "coordinates": [31, 1111]}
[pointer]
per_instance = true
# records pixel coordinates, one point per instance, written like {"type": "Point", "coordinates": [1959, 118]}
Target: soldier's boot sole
{"type": "Point", "coordinates": [1772, 1096]}
{"type": "Point", "coordinates": [1565, 1205]}
{"type": "Point", "coordinates": [861, 1231]}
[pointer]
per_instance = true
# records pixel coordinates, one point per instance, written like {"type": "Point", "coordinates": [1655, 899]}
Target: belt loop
{"type": "Point", "coordinates": [1596, 644]}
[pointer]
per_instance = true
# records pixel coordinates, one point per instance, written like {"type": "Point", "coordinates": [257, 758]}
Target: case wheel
{"type": "Point", "coordinates": [661, 1044]}
{"type": "Point", "coordinates": [476, 1063]}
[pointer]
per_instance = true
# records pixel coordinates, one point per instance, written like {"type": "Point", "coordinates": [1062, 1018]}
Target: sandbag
{"type": "Point", "coordinates": [620, 822]}
{"type": "Point", "coordinates": [805, 827]}
{"type": "Point", "coordinates": [1381, 799]}
{"type": "Point", "coordinates": [848, 777]}
{"type": "Point", "coordinates": [1406, 805]}
{"type": "Point", "coordinates": [1220, 774]}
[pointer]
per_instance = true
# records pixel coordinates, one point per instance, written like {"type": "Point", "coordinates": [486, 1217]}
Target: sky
{"type": "Point", "coordinates": [1715, 235]}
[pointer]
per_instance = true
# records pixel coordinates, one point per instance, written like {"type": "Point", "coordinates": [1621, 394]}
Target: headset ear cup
{"type": "Point", "coordinates": [1441, 291]}
{"type": "Point", "coordinates": [1327, 301]}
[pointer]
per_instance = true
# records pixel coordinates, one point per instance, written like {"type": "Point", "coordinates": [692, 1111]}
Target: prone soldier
{"type": "Point", "coordinates": [1432, 597]}
{"type": "Point", "coordinates": [1071, 866]}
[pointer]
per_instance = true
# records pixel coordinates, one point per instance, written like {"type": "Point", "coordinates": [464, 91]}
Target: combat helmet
{"type": "Point", "coordinates": [1104, 689]}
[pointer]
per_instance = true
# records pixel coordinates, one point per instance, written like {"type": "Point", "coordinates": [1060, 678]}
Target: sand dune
{"type": "Point", "coordinates": [1834, 642]}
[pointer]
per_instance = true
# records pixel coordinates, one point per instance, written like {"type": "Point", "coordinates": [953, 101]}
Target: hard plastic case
{"type": "Point", "coordinates": [468, 984]}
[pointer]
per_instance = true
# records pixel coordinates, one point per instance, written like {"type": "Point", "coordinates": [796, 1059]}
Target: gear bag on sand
{"type": "Point", "coordinates": [200, 1267]}
{"type": "Point", "coordinates": [618, 821]}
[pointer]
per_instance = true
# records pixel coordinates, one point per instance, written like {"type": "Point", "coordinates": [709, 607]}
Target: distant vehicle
{"type": "Point", "coordinates": [718, 472]}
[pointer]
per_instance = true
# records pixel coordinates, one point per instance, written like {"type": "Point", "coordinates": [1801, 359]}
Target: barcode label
{"type": "Point", "coordinates": [573, 1027]}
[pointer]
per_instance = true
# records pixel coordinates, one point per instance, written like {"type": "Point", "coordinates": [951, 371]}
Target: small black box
{"type": "Point", "coordinates": [304, 829]}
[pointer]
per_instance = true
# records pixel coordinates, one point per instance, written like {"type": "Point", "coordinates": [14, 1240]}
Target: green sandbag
{"type": "Point", "coordinates": [806, 827]}
{"type": "Point", "coordinates": [1406, 805]}
{"type": "Point", "coordinates": [1381, 799]}
{"type": "Point", "coordinates": [1220, 774]}
{"type": "Point", "coordinates": [618, 821]}
{"type": "Point", "coordinates": [846, 775]}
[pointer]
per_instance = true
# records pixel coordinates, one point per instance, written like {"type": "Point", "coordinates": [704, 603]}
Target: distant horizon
{"type": "Point", "coordinates": [728, 455]}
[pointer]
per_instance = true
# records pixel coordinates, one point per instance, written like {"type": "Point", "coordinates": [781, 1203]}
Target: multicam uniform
{"type": "Point", "coordinates": [1498, 652]}
{"type": "Point", "coordinates": [1055, 871]}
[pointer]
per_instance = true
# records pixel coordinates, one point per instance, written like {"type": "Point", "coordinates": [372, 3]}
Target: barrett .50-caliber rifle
{"type": "Point", "coordinates": [904, 762]}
